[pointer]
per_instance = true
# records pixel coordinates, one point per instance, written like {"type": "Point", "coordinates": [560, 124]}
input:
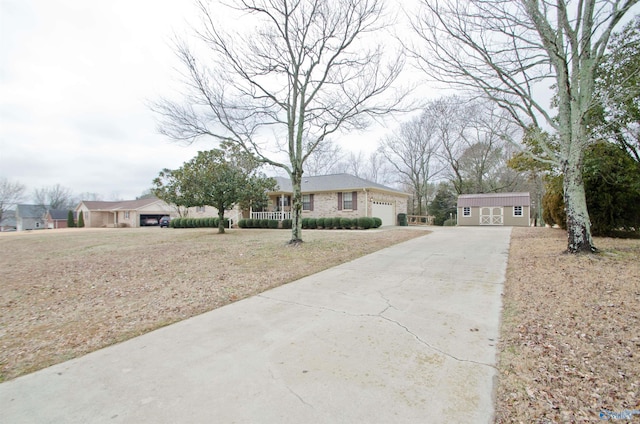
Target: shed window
{"type": "Point", "coordinates": [199, 208]}
{"type": "Point", "coordinates": [466, 211]}
{"type": "Point", "coordinates": [517, 211]}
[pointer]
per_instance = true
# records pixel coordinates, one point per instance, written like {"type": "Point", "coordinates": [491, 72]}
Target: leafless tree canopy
{"type": "Point", "coordinates": [310, 68]}
{"type": "Point", "coordinates": [54, 197]}
{"type": "Point", "coordinates": [11, 193]}
{"type": "Point", "coordinates": [327, 158]}
{"type": "Point", "coordinates": [412, 152]}
{"type": "Point", "coordinates": [457, 140]}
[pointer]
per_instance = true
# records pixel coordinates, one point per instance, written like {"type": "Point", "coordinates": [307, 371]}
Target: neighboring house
{"type": "Point", "coordinates": [134, 213]}
{"type": "Point", "coordinates": [30, 217]}
{"type": "Point", "coordinates": [512, 209]}
{"type": "Point", "coordinates": [8, 222]}
{"type": "Point", "coordinates": [338, 195]}
{"type": "Point", "coordinates": [57, 218]}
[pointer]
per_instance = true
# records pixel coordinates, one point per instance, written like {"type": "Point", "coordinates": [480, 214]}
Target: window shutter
{"type": "Point", "coordinates": [354, 198]}
{"type": "Point", "coordinates": [339, 201]}
{"type": "Point", "coordinates": [311, 202]}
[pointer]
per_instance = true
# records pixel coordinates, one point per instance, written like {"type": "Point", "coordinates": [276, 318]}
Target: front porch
{"type": "Point", "coordinates": [278, 216]}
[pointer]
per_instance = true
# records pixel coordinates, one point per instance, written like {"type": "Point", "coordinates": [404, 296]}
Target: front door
{"type": "Point", "coordinates": [491, 216]}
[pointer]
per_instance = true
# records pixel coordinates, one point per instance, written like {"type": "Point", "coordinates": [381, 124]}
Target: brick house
{"type": "Point", "coordinates": [337, 195]}
{"type": "Point", "coordinates": [57, 218]}
{"type": "Point", "coordinates": [136, 213]}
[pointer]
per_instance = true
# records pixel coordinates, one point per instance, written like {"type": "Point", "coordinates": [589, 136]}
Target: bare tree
{"type": "Point", "coordinates": [53, 197]}
{"type": "Point", "coordinates": [11, 193]}
{"type": "Point", "coordinates": [483, 163]}
{"type": "Point", "coordinates": [412, 152]}
{"type": "Point", "coordinates": [508, 51]}
{"type": "Point", "coordinates": [372, 167]}
{"type": "Point", "coordinates": [311, 68]}
{"type": "Point", "coordinates": [325, 159]}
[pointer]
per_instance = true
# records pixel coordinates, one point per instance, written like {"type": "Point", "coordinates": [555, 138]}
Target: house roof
{"type": "Point", "coordinates": [59, 214]}
{"type": "Point", "coordinates": [30, 211]}
{"type": "Point", "coordinates": [494, 199]}
{"type": "Point", "coordinates": [333, 182]}
{"type": "Point", "coordinates": [98, 205]}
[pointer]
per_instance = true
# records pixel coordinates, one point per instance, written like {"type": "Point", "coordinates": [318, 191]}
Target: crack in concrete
{"type": "Point", "coordinates": [380, 315]}
{"type": "Point", "coordinates": [273, 377]}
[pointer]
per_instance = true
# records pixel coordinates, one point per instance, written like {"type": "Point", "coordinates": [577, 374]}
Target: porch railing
{"type": "Point", "coordinates": [279, 216]}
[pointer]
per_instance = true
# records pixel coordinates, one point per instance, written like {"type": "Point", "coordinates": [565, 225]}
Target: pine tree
{"type": "Point", "coordinates": [70, 221]}
{"type": "Point", "coordinates": [81, 219]}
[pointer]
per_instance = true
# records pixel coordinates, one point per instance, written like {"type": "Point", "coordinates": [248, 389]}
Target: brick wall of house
{"type": "Point", "coordinates": [326, 204]}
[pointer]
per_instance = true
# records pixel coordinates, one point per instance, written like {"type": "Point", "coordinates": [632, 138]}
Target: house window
{"type": "Point", "coordinates": [347, 200]}
{"type": "Point", "coordinates": [126, 215]}
{"type": "Point", "coordinates": [517, 211]}
{"type": "Point", "coordinates": [466, 211]}
{"type": "Point", "coordinates": [307, 202]}
{"type": "Point", "coordinates": [200, 208]}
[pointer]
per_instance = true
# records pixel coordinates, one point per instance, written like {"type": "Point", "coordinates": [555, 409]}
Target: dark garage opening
{"type": "Point", "coordinates": [150, 219]}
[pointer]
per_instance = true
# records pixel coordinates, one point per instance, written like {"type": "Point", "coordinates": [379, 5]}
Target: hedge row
{"type": "Point", "coordinates": [258, 223]}
{"type": "Point", "coordinates": [196, 222]}
{"type": "Point", "coordinates": [341, 223]}
{"type": "Point", "coordinates": [313, 223]}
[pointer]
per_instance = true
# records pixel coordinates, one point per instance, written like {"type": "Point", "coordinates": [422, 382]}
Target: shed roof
{"type": "Point", "coordinates": [494, 199]}
{"type": "Point", "coordinates": [333, 182]}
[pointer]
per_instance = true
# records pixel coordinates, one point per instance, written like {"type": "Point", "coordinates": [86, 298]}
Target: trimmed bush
{"type": "Point", "coordinates": [327, 223]}
{"type": "Point", "coordinates": [320, 222]}
{"type": "Point", "coordinates": [305, 223]}
{"type": "Point", "coordinates": [264, 223]}
{"type": "Point", "coordinates": [81, 220]}
{"type": "Point", "coordinates": [365, 222]}
{"type": "Point", "coordinates": [273, 223]}
{"type": "Point", "coordinates": [286, 224]}
{"type": "Point", "coordinates": [377, 222]}
{"type": "Point", "coordinates": [242, 223]}
{"type": "Point", "coordinates": [346, 223]}
{"type": "Point", "coordinates": [312, 223]}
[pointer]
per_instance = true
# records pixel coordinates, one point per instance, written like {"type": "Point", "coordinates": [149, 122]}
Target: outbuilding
{"type": "Point", "coordinates": [512, 209]}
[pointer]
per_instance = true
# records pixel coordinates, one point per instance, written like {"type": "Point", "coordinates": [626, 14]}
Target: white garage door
{"type": "Point", "coordinates": [384, 211]}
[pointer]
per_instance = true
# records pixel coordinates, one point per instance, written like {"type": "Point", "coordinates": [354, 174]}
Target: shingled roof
{"type": "Point", "coordinates": [494, 199]}
{"type": "Point", "coordinates": [96, 205]}
{"type": "Point", "coordinates": [333, 182]}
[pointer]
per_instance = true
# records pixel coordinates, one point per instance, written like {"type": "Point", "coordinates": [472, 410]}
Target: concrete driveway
{"type": "Point", "coordinates": [404, 335]}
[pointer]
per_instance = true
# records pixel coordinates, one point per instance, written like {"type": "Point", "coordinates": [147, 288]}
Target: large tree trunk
{"type": "Point", "coordinates": [578, 223]}
{"type": "Point", "coordinates": [296, 206]}
{"type": "Point", "coordinates": [220, 220]}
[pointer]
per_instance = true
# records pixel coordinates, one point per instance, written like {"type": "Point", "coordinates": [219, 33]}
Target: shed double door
{"type": "Point", "coordinates": [491, 216]}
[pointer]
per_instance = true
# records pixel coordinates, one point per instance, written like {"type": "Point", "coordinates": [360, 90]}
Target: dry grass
{"type": "Point", "coordinates": [570, 342]}
{"type": "Point", "coordinates": [64, 293]}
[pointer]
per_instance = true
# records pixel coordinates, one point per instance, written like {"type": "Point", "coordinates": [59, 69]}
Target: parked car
{"type": "Point", "coordinates": [164, 221]}
{"type": "Point", "coordinates": [151, 221]}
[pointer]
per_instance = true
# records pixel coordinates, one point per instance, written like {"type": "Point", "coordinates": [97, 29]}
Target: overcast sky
{"type": "Point", "coordinates": [75, 80]}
